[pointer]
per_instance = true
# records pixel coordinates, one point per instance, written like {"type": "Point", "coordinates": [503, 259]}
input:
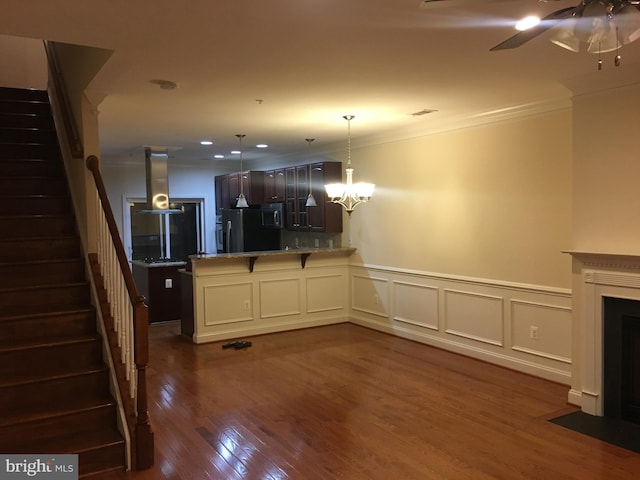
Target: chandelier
{"type": "Point", "coordinates": [349, 194]}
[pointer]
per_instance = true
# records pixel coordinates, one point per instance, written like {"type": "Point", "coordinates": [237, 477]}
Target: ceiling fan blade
{"type": "Point", "coordinates": [545, 24]}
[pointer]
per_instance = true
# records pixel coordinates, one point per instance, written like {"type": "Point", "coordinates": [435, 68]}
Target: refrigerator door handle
{"type": "Point", "coordinates": [276, 218]}
{"type": "Point", "coordinates": [228, 237]}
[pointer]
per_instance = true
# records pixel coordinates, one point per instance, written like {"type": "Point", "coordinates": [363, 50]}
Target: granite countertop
{"type": "Point", "coordinates": [267, 253]}
{"type": "Point", "coordinates": [142, 263]}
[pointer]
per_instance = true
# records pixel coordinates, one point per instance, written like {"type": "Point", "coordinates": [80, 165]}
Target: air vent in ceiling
{"type": "Point", "coordinates": [424, 111]}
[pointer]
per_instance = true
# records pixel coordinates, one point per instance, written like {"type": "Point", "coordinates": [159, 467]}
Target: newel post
{"type": "Point", "coordinates": [143, 433]}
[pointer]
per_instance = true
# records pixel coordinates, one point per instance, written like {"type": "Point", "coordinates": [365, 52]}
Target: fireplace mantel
{"type": "Point", "coordinates": [623, 261]}
{"type": "Point", "coordinates": [602, 274]}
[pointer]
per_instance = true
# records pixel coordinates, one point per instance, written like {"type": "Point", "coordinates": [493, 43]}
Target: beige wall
{"type": "Point", "coordinates": [22, 63]}
{"type": "Point", "coordinates": [492, 202]}
{"type": "Point", "coordinates": [606, 216]}
{"type": "Point", "coordinates": [606, 212]}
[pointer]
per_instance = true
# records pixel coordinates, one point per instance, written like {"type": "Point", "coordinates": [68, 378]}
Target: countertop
{"type": "Point", "coordinates": [271, 253]}
{"type": "Point", "coordinates": [144, 264]}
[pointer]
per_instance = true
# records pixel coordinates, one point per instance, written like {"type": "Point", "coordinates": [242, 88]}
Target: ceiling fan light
{"type": "Point", "coordinates": [628, 23]}
{"type": "Point", "coordinates": [585, 28]}
{"type": "Point", "coordinates": [527, 23]}
{"type": "Point", "coordinates": [564, 37]}
{"type": "Point", "coordinates": [603, 41]}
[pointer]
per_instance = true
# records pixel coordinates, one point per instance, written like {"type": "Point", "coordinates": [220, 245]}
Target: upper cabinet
{"type": "Point", "coordinates": [297, 189]}
{"type": "Point", "coordinates": [326, 216]}
{"type": "Point", "coordinates": [275, 186]}
{"type": "Point", "coordinates": [292, 186]}
{"type": "Point", "coordinates": [228, 188]}
{"type": "Point", "coordinates": [222, 191]}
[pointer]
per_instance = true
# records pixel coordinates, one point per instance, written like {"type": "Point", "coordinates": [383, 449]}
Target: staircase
{"type": "Point", "coordinates": [54, 384]}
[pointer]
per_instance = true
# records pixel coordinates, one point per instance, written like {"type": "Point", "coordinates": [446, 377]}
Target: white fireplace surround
{"type": "Point", "coordinates": [602, 275]}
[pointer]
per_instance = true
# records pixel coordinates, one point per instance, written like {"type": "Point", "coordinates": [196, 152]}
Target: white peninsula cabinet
{"type": "Point", "coordinates": [241, 294]}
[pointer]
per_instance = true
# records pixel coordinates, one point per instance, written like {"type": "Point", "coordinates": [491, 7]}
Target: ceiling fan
{"type": "Point", "coordinates": [595, 26]}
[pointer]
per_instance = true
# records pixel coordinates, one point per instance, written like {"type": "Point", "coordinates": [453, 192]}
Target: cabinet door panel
{"type": "Point", "coordinates": [326, 217]}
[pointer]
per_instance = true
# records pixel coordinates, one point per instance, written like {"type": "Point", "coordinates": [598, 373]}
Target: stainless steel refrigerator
{"type": "Point", "coordinates": [243, 231]}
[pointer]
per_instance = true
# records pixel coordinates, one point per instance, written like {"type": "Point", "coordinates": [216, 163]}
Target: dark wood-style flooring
{"type": "Point", "coordinates": [346, 402]}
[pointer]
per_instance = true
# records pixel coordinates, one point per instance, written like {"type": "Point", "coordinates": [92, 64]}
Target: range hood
{"type": "Point", "coordinates": [157, 178]}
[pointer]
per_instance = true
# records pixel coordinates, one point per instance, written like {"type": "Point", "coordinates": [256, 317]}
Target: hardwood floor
{"type": "Point", "coordinates": [345, 402]}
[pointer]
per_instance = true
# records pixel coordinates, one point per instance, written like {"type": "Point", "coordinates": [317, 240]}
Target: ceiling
{"type": "Point", "coordinates": [281, 71]}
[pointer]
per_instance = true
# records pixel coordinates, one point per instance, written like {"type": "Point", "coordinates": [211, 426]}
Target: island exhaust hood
{"type": "Point", "coordinates": [157, 178]}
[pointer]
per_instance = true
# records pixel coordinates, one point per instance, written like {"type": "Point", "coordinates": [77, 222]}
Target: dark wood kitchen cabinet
{"type": "Point", "coordinates": [275, 186]}
{"type": "Point", "coordinates": [221, 183]}
{"type": "Point", "coordinates": [326, 216]}
{"type": "Point", "coordinates": [297, 190]}
{"type": "Point", "coordinates": [229, 188]}
{"type": "Point", "coordinates": [160, 285]}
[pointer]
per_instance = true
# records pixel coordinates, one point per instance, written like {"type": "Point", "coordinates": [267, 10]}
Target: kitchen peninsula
{"type": "Point", "coordinates": [235, 295]}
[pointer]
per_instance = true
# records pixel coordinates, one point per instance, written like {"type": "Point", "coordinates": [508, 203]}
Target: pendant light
{"type": "Point", "coordinates": [242, 201]}
{"type": "Point", "coordinates": [349, 194]}
{"type": "Point", "coordinates": [311, 201]}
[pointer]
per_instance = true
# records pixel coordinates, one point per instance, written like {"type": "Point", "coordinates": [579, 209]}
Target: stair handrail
{"type": "Point", "coordinates": [128, 315]}
{"type": "Point", "coordinates": [59, 91]}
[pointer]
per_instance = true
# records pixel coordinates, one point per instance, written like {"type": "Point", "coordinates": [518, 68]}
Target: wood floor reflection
{"type": "Point", "coordinates": [346, 402]}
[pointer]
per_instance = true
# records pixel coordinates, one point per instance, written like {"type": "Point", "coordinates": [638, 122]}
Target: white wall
{"type": "Point", "coordinates": [607, 171]}
{"type": "Point", "coordinates": [127, 180]}
{"type": "Point", "coordinates": [492, 202]}
{"type": "Point", "coordinates": [22, 63]}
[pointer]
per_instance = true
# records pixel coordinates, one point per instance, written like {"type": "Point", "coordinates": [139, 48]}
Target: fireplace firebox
{"type": "Point", "coordinates": [621, 358]}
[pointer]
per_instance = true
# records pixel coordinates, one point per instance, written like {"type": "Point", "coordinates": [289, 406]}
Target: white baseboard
{"type": "Point", "coordinates": [250, 330]}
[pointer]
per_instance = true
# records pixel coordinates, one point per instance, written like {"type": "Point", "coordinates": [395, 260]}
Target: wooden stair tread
{"type": "Point", "coordinates": [40, 287]}
{"type": "Point", "coordinates": [75, 443]}
{"type": "Point", "coordinates": [69, 236]}
{"type": "Point", "coordinates": [42, 262]}
{"type": "Point", "coordinates": [32, 315]}
{"type": "Point", "coordinates": [67, 410]}
{"type": "Point", "coordinates": [51, 343]}
{"type": "Point", "coordinates": [48, 378]}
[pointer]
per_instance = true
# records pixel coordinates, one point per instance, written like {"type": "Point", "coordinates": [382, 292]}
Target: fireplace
{"type": "Point", "coordinates": [621, 359]}
{"type": "Point", "coordinates": [606, 334]}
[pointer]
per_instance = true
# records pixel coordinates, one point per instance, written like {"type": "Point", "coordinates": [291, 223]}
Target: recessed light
{"type": "Point", "coordinates": [262, 145]}
{"type": "Point", "coordinates": [218, 156]}
{"type": "Point", "coordinates": [206, 142]}
{"type": "Point", "coordinates": [235, 152]}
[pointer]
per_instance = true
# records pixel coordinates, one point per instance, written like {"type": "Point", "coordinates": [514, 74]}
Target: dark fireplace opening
{"type": "Point", "coordinates": [621, 352]}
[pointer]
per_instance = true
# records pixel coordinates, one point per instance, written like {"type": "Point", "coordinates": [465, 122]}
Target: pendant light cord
{"type": "Point", "coordinates": [348, 118]}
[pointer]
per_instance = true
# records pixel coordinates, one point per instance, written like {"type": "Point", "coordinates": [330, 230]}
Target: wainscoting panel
{"type": "Point", "coordinates": [370, 295]}
{"type": "Point", "coordinates": [485, 319]}
{"type": "Point", "coordinates": [230, 303]}
{"type": "Point", "coordinates": [280, 297]}
{"type": "Point", "coordinates": [541, 330]}
{"type": "Point", "coordinates": [415, 304]}
{"type": "Point", "coordinates": [474, 316]}
{"type": "Point", "coordinates": [326, 293]}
